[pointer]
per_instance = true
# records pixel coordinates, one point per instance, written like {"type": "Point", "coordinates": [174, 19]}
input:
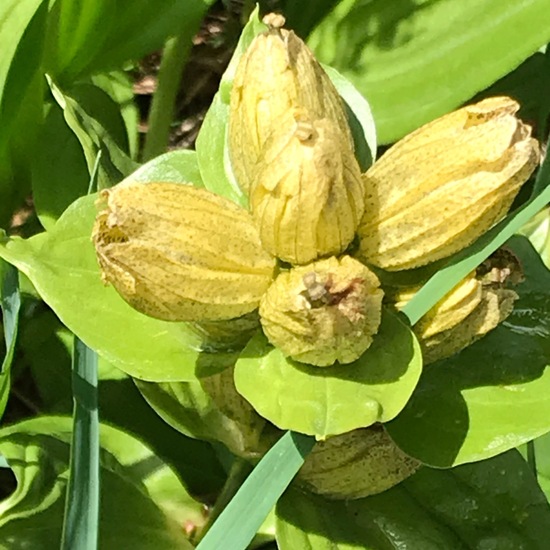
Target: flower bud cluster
{"type": "Point", "coordinates": [296, 263]}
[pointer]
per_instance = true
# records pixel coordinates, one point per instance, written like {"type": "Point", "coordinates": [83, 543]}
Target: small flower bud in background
{"type": "Point", "coordinates": [437, 190]}
{"type": "Point", "coordinates": [355, 465]}
{"type": "Point", "coordinates": [307, 195]}
{"type": "Point", "coordinates": [276, 73]}
{"type": "Point", "coordinates": [323, 312]}
{"type": "Point", "coordinates": [179, 253]}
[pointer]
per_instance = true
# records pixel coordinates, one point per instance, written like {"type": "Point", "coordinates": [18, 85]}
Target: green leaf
{"type": "Point", "coordinates": [100, 35]}
{"type": "Point", "coordinates": [491, 504]}
{"type": "Point", "coordinates": [212, 153]}
{"type": "Point", "coordinates": [246, 512]}
{"type": "Point", "coordinates": [359, 117]}
{"type": "Point", "coordinates": [95, 137]}
{"type": "Point", "coordinates": [10, 303]}
{"type": "Point", "coordinates": [22, 29]}
{"type": "Point", "coordinates": [80, 522]}
{"type": "Point", "coordinates": [495, 394]}
{"type": "Point", "coordinates": [119, 87]}
{"type": "Point", "coordinates": [60, 172]}
{"type": "Point", "coordinates": [46, 346]}
{"type": "Point", "coordinates": [176, 166]}
{"type": "Point", "coordinates": [415, 61]}
{"type": "Point", "coordinates": [62, 266]}
{"type": "Point", "coordinates": [332, 400]}
{"type": "Point", "coordinates": [143, 502]}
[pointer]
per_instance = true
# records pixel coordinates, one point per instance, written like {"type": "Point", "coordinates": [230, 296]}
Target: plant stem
{"type": "Point", "coordinates": [175, 55]}
{"type": "Point", "coordinates": [238, 473]}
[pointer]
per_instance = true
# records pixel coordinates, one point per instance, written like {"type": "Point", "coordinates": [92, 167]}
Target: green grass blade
{"type": "Point", "coordinates": [11, 304]}
{"type": "Point", "coordinates": [467, 260]}
{"type": "Point", "coordinates": [242, 518]}
{"type": "Point", "coordinates": [80, 526]}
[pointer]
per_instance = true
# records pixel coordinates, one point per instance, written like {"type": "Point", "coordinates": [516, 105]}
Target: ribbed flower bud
{"type": "Point", "coordinates": [496, 304]}
{"type": "Point", "coordinates": [470, 310]}
{"type": "Point", "coordinates": [179, 253]}
{"type": "Point", "coordinates": [276, 73]}
{"type": "Point", "coordinates": [440, 188]}
{"type": "Point", "coordinates": [307, 195]}
{"type": "Point", "coordinates": [451, 310]}
{"type": "Point", "coordinates": [356, 465]}
{"type": "Point", "coordinates": [323, 312]}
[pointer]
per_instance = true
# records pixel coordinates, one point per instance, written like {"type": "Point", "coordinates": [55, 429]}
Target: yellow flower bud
{"type": "Point", "coordinates": [323, 312]}
{"type": "Point", "coordinates": [496, 304]}
{"type": "Point", "coordinates": [228, 335]}
{"type": "Point", "coordinates": [307, 195]}
{"type": "Point", "coordinates": [437, 190]}
{"type": "Point", "coordinates": [451, 310]}
{"type": "Point", "coordinates": [276, 73]}
{"type": "Point", "coordinates": [179, 253]}
{"type": "Point", "coordinates": [470, 310]}
{"type": "Point", "coordinates": [356, 465]}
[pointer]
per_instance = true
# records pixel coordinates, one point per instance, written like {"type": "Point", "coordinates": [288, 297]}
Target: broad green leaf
{"type": "Point", "coordinates": [62, 266]}
{"type": "Point", "coordinates": [99, 35]}
{"type": "Point", "coordinates": [46, 346]}
{"type": "Point", "coordinates": [243, 516]}
{"type": "Point", "coordinates": [415, 61]}
{"type": "Point", "coordinates": [332, 400]}
{"type": "Point", "coordinates": [212, 153]}
{"type": "Point", "coordinates": [359, 117]}
{"type": "Point", "coordinates": [491, 504]}
{"type": "Point", "coordinates": [22, 28]}
{"type": "Point", "coordinates": [495, 394]}
{"type": "Point", "coordinates": [101, 107]}
{"type": "Point", "coordinates": [80, 521]}
{"type": "Point", "coordinates": [176, 166]}
{"type": "Point", "coordinates": [60, 172]}
{"type": "Point", "coordinates": [143, 505]}
{"type": "Point", "coordinates": [95, 139]}
{"type": "Point", "coordinates": [119, 87]}
{"type": "Point", "coordinates": [212, 139]}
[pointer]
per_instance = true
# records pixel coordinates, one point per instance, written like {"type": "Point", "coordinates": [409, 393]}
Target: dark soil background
{"type": "Point", "coordinates": [212, 49]}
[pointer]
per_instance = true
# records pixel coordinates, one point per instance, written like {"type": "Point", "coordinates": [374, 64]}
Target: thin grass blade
{"type": "Point", "coordinates": [81, 521]}
{"type": "Point", "coordinates": [243, 516]}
